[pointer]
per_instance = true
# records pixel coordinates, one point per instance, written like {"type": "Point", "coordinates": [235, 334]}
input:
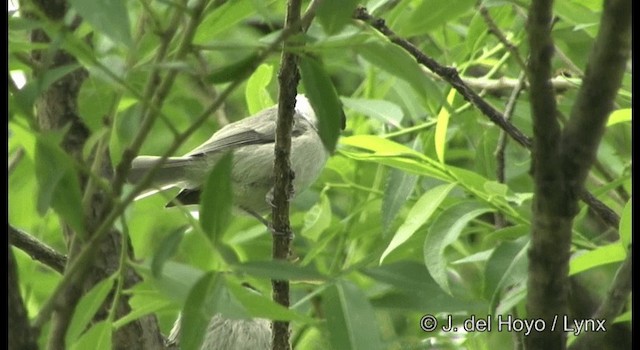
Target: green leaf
{"type": "Point", "coordinates": [431, 14]}
{"type": "Point", "coordinates": [256, 93]}
{"type": "Point", "coordinates": [398, 63]}
{"type": "Point", "coordinates": [418, 216]}
{"type": "Point", "coordinates": [335, 14]}
{"type": "Point", "coordinates": [442, 126]}
{"type": "Point", "coordinates": [318, 218]}
{"type": "Point", "coordinates": [384, 111]}
{"type": "Point", "coordinates": [350, 318]}
{"type": "Point", "coordinates": [397, 189]}
{"type": "Point", "coordinates": [506, 267]}
{"type": "Point", "coordinates": [232, 71]}
{"type": "Point", "coordinates": [603, 255]}
{"type": "Point", "coordinates": [223, 18]}
{"type": "Point", "coordinates": [87, 308]}
{"type": "Point", "coordinates": [26, 96]}
{"type": "Point", "coordinates": [619, 116]}
{"type": "Point", "coordinates": [201, 305]}
{"type": "Point", "coordinates": [445, 230]}
{"type": "Point", "coordinates": [261, 306]}
{"type": "Point", "coordinates": [110, 17]}
{"type": "Point", "coordinates": [324, 100]}
{"type": "Point", "coordinates": [175, 281]}
{"type": "Point", "coordinates": [168, 247]}
{"type": "Point", "coordinates": [280, 270]}
{"type": "Point", "coordinates": [97, 337]}
{"type": "Point", "coordinates": [412, 283]}
{"type": "Point", "coordinates": [58, 185]}
{"type": "Point", "coordinates": [625, 225]}
{"type": "Point", "coordinates": [216, 199]}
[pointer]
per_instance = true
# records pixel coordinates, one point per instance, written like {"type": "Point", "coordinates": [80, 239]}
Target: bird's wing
{"type": "Point", "coordinates": [259, 129]}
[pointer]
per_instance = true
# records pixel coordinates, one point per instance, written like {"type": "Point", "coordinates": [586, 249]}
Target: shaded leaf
{"type": "Point", "coordinates": [232, 71]}
{"type": "Point", "coordinates": [418, 216]}
{"type": "Point", "coordinates": [58, 185]}
{"type": "Point", "coordinates": [318, 218]}
{"type": "Point", "coordinates": [324, 100]}
{"type": "Point", "coordinates": [445, 230]}
{"type": "Point", "coordinates": [87, 308]}
{"type": "Point", "coordinates": [280, 270]}
{"type": "Point", "coordinates": [335, 14]}
{"type": "Point", "coordinates": [107, 16]}
{"type": "Point", "coordinates": [168, 247]}
{"type": "Point", "coordinates": [216, 199]}
{"type": "Point", "coordinates": [384, 111]}
{"type": "Point", "coordinates": [506, 267]}
{"type": "Point", "coordinates": [350, 318]}
{"type": "Point", "coordinates": [98, 337]}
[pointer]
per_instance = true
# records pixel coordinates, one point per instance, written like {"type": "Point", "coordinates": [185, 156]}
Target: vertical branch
{"type": "Point", "coordinates": [288, 78]}
{"type": "Point", "coordinates": [548, 283]}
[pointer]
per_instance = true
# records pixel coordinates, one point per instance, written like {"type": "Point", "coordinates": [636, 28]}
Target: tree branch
{"type": "Point", "coordinates": [288, 78]}
{"type": "Point", "coordinates": [595, 100]}
{"type": "Point", "coordinates": [608, 215]}
{"type": "Point", "coordinates": [449, 74]}
{"type": "Point", "coordinates": [37, 250]}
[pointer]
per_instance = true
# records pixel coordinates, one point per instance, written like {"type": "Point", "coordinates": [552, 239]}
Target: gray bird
{"type": "Point", "coordinates": [252, 142]}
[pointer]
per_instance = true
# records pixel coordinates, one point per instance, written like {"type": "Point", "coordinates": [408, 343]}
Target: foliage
{"type": "Point", "coordinates": [401, 223]}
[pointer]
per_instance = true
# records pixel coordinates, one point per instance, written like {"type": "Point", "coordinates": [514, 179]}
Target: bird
{"type": "Point", "coordinates": [251, 140]}
{"type": "Point", "coordinates": [230, 334]}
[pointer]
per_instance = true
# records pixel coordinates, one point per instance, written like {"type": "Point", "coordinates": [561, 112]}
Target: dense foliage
{"type": "Point", "coordinates": [423, 209]}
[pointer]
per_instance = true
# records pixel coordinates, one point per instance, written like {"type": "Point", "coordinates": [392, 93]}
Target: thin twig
{"type": "Point", "coordinates": [37, 250]}
{"type": "Point", "coordinates": [450, 75]}
{"type": "Point", "coordinates": [502, 144]}
{"type": "Point", "coordinates": [493, 29]}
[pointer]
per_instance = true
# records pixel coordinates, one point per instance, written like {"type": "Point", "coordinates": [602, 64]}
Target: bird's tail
{"type": "Point", "coordinates": [170, 174]}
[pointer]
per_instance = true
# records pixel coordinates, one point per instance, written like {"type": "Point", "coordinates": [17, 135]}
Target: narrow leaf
{"type": "Point", "coordinates": [107, 16]}
{"type": "Point", "coordinates": [198, 310]}
{"type": "Point", "coordinates": [98, 337]}
{"type": "Point", "coordinates": [384, 111]}
{"type": "Point", "coordinates": [223, 18]}
{"type": "Point", "coordinates": [335, 14]}
{"type": "Point", "coordinates": [166, 250]}
{"type": "Point", "coordinates": [318, 218]}
{"type": "Point", "coordinates": [58, 185]}
{"type": "Point", "coordinates": [215, 203]}
{"type": "Point", "coordinates": [261, 306]}
{"type": "Point", "coordinates": [442, 125]}
{"type": "Point", "coordinates": [350, 318]}
{"type": "Point", "coordinates": [280, 270]}
{"type": "Point", "coordinates": [418, 216]}
{"type": "Point", "coordinates": [232, 71]}
{"type": "Point", "coordinates": [256, 93]}
{"type": "Point", "coordinates": [87, 308]}
{"type": "Point", "coordinates": [324, 100]}
{"type": "Point", "coordinates": [397, 189]}
{"type": "Point", "coordinates": [506, 267]}
{"type": "Point", "coordinates": [603, 255]}
{"type": "Point", "coordinates": [445, 230]}
{"type": "Point", "coordinates": [625, 225]}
